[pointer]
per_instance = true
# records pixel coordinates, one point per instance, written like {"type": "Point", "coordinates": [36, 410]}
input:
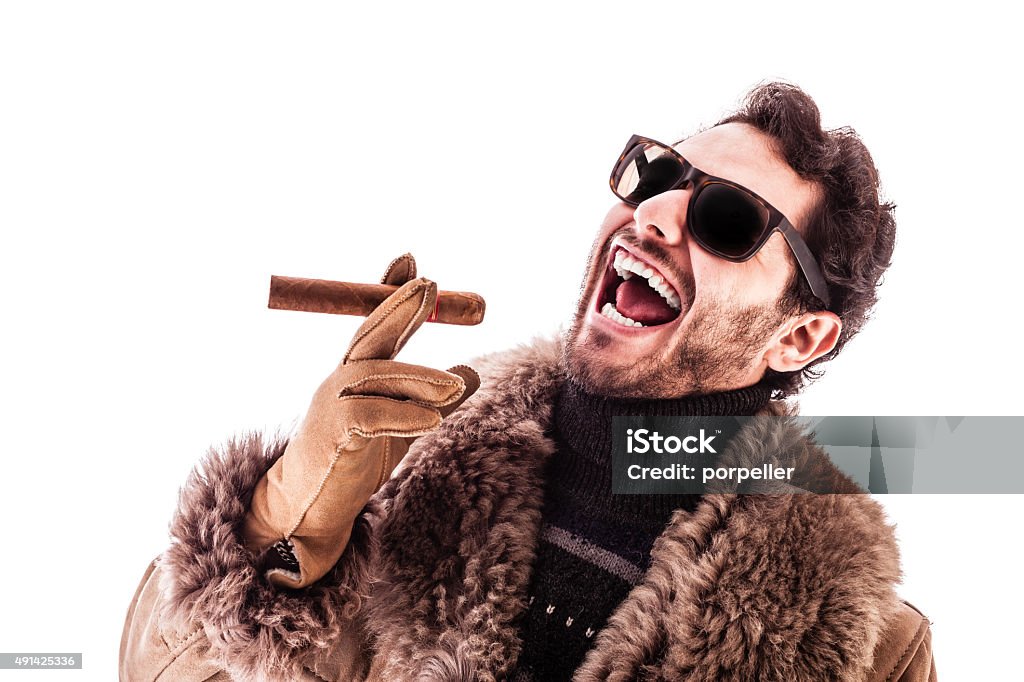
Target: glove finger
{"type": "Point", "coordinates": [390, 325]}
{"type": "Point", "coordinates": [373, 416]}
{"type": "Point", "coordinates": [470, 379]}
{"type": "Point", "coordinates": [400, 271]}
{"type": "Point", "coordinates": [401, 381]}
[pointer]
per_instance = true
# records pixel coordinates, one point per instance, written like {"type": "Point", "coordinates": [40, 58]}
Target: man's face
{"type": "Point", "coordinates": [712, 327]}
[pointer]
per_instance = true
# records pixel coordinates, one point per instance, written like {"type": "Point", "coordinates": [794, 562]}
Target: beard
{"type": "Point", "coordinates": [715, 352]}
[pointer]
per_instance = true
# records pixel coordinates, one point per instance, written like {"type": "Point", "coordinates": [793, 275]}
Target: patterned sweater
{"type": "Point", "coordinates": [595, 546]}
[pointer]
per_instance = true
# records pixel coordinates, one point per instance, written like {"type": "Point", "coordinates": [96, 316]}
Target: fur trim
{"type": "Point", "coordinates": [787, 587]}
{"type": "Point", "coordinates": [460, 535]}
{"type": "Point", "coordinates": [747, 587]}
{"type": "Point", "coordinates": [256, 631]}
{"type": "Point", "coordinates": [770, 587]}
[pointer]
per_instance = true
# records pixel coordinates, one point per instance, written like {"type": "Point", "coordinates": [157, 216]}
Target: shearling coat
{"type": "Point", "coordinates": [746, 587]}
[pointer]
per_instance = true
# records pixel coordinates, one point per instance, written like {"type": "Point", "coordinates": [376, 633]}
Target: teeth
{"type": "Point", "coordinates": [626, 266]}
{"type": "Point", "coordinates": [620, 270]}
{"type": "Point", "coordinates": [611, 313]}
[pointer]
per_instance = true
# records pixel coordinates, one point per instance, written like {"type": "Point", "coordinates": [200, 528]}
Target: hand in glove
{"type": "Point", "coordinates": [357, 429]}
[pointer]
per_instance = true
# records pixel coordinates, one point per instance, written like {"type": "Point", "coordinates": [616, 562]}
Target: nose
{"type": "Point", "coordinates": [662, 217]}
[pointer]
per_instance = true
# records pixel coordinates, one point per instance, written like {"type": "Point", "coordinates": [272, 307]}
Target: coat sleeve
{"type": "Point", "coordinates": [204, 611]}
{"type": "Point", "coordinates": [904, 653]}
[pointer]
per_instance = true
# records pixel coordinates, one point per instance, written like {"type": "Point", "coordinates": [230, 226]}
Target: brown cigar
{"type": "Point", "coordinates": [347, 298]}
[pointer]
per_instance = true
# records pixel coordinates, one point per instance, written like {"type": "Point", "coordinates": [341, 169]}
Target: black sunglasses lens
{"type": "Point", "coordinates": [644, 171]}
{"type": "Point", "coordinates": [727, 220]}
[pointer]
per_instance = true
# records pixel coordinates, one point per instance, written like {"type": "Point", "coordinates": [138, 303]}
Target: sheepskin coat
{"type": "Point", "coordinates": [746, 587]}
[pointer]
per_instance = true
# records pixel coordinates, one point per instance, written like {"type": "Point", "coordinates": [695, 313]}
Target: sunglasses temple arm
{"type": "Point", "coordinates": [807, 262]}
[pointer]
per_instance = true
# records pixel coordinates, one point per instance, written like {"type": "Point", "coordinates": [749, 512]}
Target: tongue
{"type": "Point", "coordinates": [639, 302]}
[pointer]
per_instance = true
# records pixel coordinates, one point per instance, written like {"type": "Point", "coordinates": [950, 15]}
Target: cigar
{"type": "Point", "coordinates": [348, 298]}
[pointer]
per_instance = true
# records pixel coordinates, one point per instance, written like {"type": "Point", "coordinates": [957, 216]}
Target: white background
{"type": "Point", "coordinates": [158, 162]}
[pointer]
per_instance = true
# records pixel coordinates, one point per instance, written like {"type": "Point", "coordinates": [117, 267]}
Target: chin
{"type": "Point", "coordinates": [609, 358]}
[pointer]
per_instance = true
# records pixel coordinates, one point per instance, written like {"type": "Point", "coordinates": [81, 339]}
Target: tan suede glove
{"type": "Point", "coordinates": [358, 428]}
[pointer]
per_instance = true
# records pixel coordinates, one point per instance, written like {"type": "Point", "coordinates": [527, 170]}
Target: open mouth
{"type": "Point", "coordinates": [634, 293]}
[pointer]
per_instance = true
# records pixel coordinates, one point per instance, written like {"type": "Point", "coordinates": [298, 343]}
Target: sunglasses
{"type": "Point", "coordinates": [724, 218]}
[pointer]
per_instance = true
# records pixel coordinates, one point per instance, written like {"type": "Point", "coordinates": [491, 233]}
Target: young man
{"type": "Point", "coordinates": [734, 263]}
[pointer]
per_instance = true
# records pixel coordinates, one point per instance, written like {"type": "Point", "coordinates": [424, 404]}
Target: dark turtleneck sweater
{"type": "Point", "coordinates": [594, 546]}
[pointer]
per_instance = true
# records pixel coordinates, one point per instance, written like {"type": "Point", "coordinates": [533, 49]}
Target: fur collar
{"type": "Point", "coordinates": [746, 587]}
{"type": "Point", "coordinates": [767, 587]}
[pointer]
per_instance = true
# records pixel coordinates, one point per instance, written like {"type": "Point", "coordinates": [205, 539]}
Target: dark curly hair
{"type": "Point", "coordinates": [850, 230]}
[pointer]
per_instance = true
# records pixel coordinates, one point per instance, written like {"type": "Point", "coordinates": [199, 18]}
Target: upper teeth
{"type": "Point", "coordinates": [626, 266]}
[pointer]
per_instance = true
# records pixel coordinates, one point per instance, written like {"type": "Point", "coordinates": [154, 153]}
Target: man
{"type": "Point", "coordinates": [734, 264]}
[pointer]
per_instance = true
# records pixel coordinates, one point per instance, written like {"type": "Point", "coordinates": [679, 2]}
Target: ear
{"type": "Point", "coordinates": [802, 340]}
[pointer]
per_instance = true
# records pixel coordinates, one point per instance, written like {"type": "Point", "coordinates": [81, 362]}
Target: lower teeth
{"type": "Point", "coordinates": [611, 313]}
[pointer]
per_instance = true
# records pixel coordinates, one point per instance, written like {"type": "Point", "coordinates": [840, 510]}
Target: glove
{"type": "Point", "coordinates": [358, 428]}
